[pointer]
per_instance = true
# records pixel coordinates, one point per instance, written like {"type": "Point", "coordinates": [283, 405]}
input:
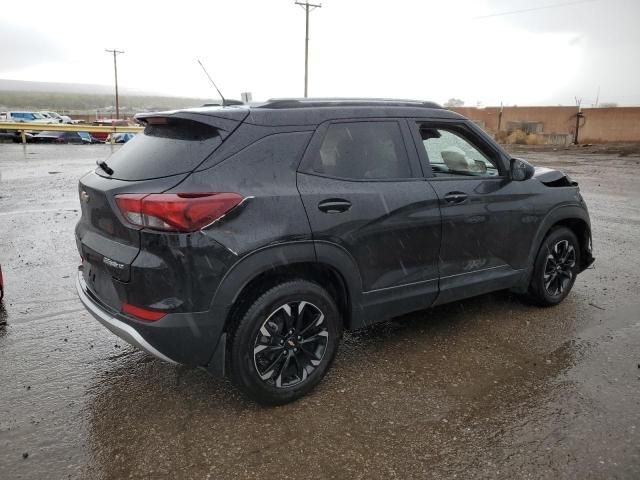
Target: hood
{"type": "Point", "coordinates": [553, 178]}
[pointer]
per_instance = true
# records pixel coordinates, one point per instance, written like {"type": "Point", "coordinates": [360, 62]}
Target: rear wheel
{"type": "Point", "coordinates": [556, 267]}
{"type": "Point", "coordinates": [285, 342]}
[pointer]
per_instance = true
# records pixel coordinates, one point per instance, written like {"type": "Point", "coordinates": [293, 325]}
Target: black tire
{"type": "Point", "coordinates": [263, 333]}
{"type": "Point", "coordinates": [556, 267]}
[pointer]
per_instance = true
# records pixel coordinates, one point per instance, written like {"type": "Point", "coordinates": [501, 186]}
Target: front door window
{"type": "Point", "coordinates": [450, 154]}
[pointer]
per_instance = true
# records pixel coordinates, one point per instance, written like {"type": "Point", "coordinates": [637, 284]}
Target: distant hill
{"type": "Point", "coordinates": [51, 87]}
{"type": "Point", "coordinates": [17, 94]}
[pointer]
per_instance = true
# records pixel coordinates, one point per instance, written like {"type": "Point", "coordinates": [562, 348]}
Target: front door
{"type": "Point", "coordinates": [484, 241]}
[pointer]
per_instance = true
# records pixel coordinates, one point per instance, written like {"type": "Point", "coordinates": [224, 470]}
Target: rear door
{"type": "Point", "coordinates": [363, 192]}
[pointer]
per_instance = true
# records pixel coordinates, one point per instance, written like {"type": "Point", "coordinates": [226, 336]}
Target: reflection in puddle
{"type": "Point", "coordinates": [3, 319]}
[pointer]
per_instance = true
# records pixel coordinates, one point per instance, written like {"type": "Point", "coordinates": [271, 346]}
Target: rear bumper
{"type": "Point", "coordinates": [185, 338]}
{"type": "Point", "coordinates": [117, 327]}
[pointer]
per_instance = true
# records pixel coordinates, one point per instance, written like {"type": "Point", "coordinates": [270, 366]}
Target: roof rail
{"type": "Point", "coordinates": [277, 103]}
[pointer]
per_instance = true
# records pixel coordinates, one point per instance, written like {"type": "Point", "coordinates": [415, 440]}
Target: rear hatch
{"type": "Point", "coordinates": [171, 146]}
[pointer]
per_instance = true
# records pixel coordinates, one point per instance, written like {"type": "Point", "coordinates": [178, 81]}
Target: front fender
{"type": "Point", "coordinates": [555, 215]}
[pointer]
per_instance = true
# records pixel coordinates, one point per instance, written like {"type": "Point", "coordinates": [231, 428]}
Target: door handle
{"type": "Point", "coordinates": [455, 197]}
{"type": "Point", "coordinates": [334, 205]}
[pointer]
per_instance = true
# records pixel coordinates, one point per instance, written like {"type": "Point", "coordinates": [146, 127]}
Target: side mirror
{"type": "Point", "coordinates": [521, 170]}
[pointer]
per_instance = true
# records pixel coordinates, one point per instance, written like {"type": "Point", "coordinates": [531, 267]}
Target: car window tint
{"type": "Point", "coordinates": [178, 146]}
{"type": "Point", "coordinates": [363, 150]}
{"type": "Point", "coordinates": [449, 153]}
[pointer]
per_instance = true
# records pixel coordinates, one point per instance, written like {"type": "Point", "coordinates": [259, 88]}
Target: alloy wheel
{"type": "Point", "coordinates": [558, 269]}
{"type": "Point", "coordinates": [290, 344]}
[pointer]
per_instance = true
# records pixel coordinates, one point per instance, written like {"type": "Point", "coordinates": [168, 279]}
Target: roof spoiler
{"type": "Point", "coordinates": [220, 118]}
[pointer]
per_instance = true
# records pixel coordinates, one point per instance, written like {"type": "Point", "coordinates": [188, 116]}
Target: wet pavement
{"type": "Point", "coordinates": [485, 388]}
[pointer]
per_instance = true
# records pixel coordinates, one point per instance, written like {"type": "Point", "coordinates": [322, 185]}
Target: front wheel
{"type": "Point", "coordinates": [285, 342]}
{"type": "Point", "coordinates": [556, 267]}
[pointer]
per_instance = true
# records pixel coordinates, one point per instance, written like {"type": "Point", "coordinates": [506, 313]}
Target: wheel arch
{"type": "Point", "coordinates": [582, 231]}
{"type": "Point", "coordinates": [574, 217]}
{"type": "Point", "coordinates": [332, 268]}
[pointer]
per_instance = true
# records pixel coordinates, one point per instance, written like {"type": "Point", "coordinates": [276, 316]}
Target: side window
{"type": "Point", "coordinates": [363, 151]}
{"type": "Point", "coordinates": [450, 153]}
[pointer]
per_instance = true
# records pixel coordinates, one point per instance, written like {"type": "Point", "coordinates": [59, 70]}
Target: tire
{"type": "Point", "coordinates": [284, 342]}
{"type": "Point", "coordinates": [556, 267]}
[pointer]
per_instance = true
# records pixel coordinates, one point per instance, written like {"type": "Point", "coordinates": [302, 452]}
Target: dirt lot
{"type": "Point", "coordinates": [486, 388]}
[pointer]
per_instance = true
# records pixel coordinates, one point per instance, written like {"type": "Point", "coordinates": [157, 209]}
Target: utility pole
{"type": "Point", "coordinates": [579, 115]}
{"type": "Point", "coordinates": [115, 70]}
{"type": "Point", "coordinates": [307, 8]}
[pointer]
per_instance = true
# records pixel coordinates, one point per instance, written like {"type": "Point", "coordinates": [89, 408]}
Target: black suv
{"type": "Point", "coordinates": [244, 239]}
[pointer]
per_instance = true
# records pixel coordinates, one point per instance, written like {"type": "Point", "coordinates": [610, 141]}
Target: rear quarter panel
{"type": "Point", "coordinates": [264, 173]}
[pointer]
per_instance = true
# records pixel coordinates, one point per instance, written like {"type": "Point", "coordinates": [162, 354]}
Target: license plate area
{"type": "Point", "coordinates": [101, 284]}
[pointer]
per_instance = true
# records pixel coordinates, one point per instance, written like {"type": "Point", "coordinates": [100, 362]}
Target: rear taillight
{"type": "Point", "coordinates": [142, 313]}
{"type": "Point", "coordinates": [175, 212]}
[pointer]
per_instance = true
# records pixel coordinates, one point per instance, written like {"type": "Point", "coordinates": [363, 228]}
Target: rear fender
{"type": "Point", "coordinates": [290, 253]}
{"type": "Point", "coordinates": [256, 263]}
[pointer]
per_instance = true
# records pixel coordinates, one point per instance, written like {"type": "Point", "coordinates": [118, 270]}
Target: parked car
{"type": "Point", "coordinates": [7, 135]}
{"type": "Point", "coordinates": [1, 284]}
{"type": "Point", "coordinates": [30, 117]}
{"type": "Point", "coordinates": [245, 239]}
{"type": "Point", "coordinates": [16, 137]}
{"type": "Point", "coordinates": [88, 137]}
{"type": "Point", "coordinates": [58, 137]}
{"type": "Point", "coordinates": [120, 137]}
{"type": "Point", "coordinates": [108, 122]}
{"type": "Point", "coordinates": [56, 116]}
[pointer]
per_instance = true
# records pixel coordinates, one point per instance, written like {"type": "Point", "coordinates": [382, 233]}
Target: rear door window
{"type": "Point", "coordinates": [362, 151]}
{"type": "Point", "coordinates": [164, 149]}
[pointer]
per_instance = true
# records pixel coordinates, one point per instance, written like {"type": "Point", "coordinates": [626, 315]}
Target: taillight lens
{"type": "Point", "coordinates": [177, 212]}
{"type": "Point", "coordinates": [142, 313]}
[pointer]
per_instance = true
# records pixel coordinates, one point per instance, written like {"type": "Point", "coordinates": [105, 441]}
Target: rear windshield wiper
{"type": "Point", "coordinates": [103, 165]}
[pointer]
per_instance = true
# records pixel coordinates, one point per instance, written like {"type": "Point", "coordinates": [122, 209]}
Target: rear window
{"type": "Point", "coordinates": [169, 148]}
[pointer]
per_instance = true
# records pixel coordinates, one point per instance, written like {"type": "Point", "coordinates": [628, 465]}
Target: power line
{"type": "Point", "coordinates": [307, 7]}
{"type": "Point", "coordinates": [115, 70]}
{"type": "Point", "coordinates": [533, 9]}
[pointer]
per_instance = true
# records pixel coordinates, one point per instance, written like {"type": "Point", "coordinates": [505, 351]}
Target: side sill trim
{"type": "Point", "coordinates": [121, 329]}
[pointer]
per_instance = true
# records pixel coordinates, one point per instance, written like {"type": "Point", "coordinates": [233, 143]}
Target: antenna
{"type": "Point", "coordinates": [224, 102]}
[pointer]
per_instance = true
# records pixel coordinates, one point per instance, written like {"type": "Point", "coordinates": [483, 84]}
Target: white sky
{"type": "Point", "coordinates": [425, 49]}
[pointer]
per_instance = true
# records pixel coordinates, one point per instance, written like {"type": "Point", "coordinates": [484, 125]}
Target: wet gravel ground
{"type": "Point", "coordinates": [486, 388]}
